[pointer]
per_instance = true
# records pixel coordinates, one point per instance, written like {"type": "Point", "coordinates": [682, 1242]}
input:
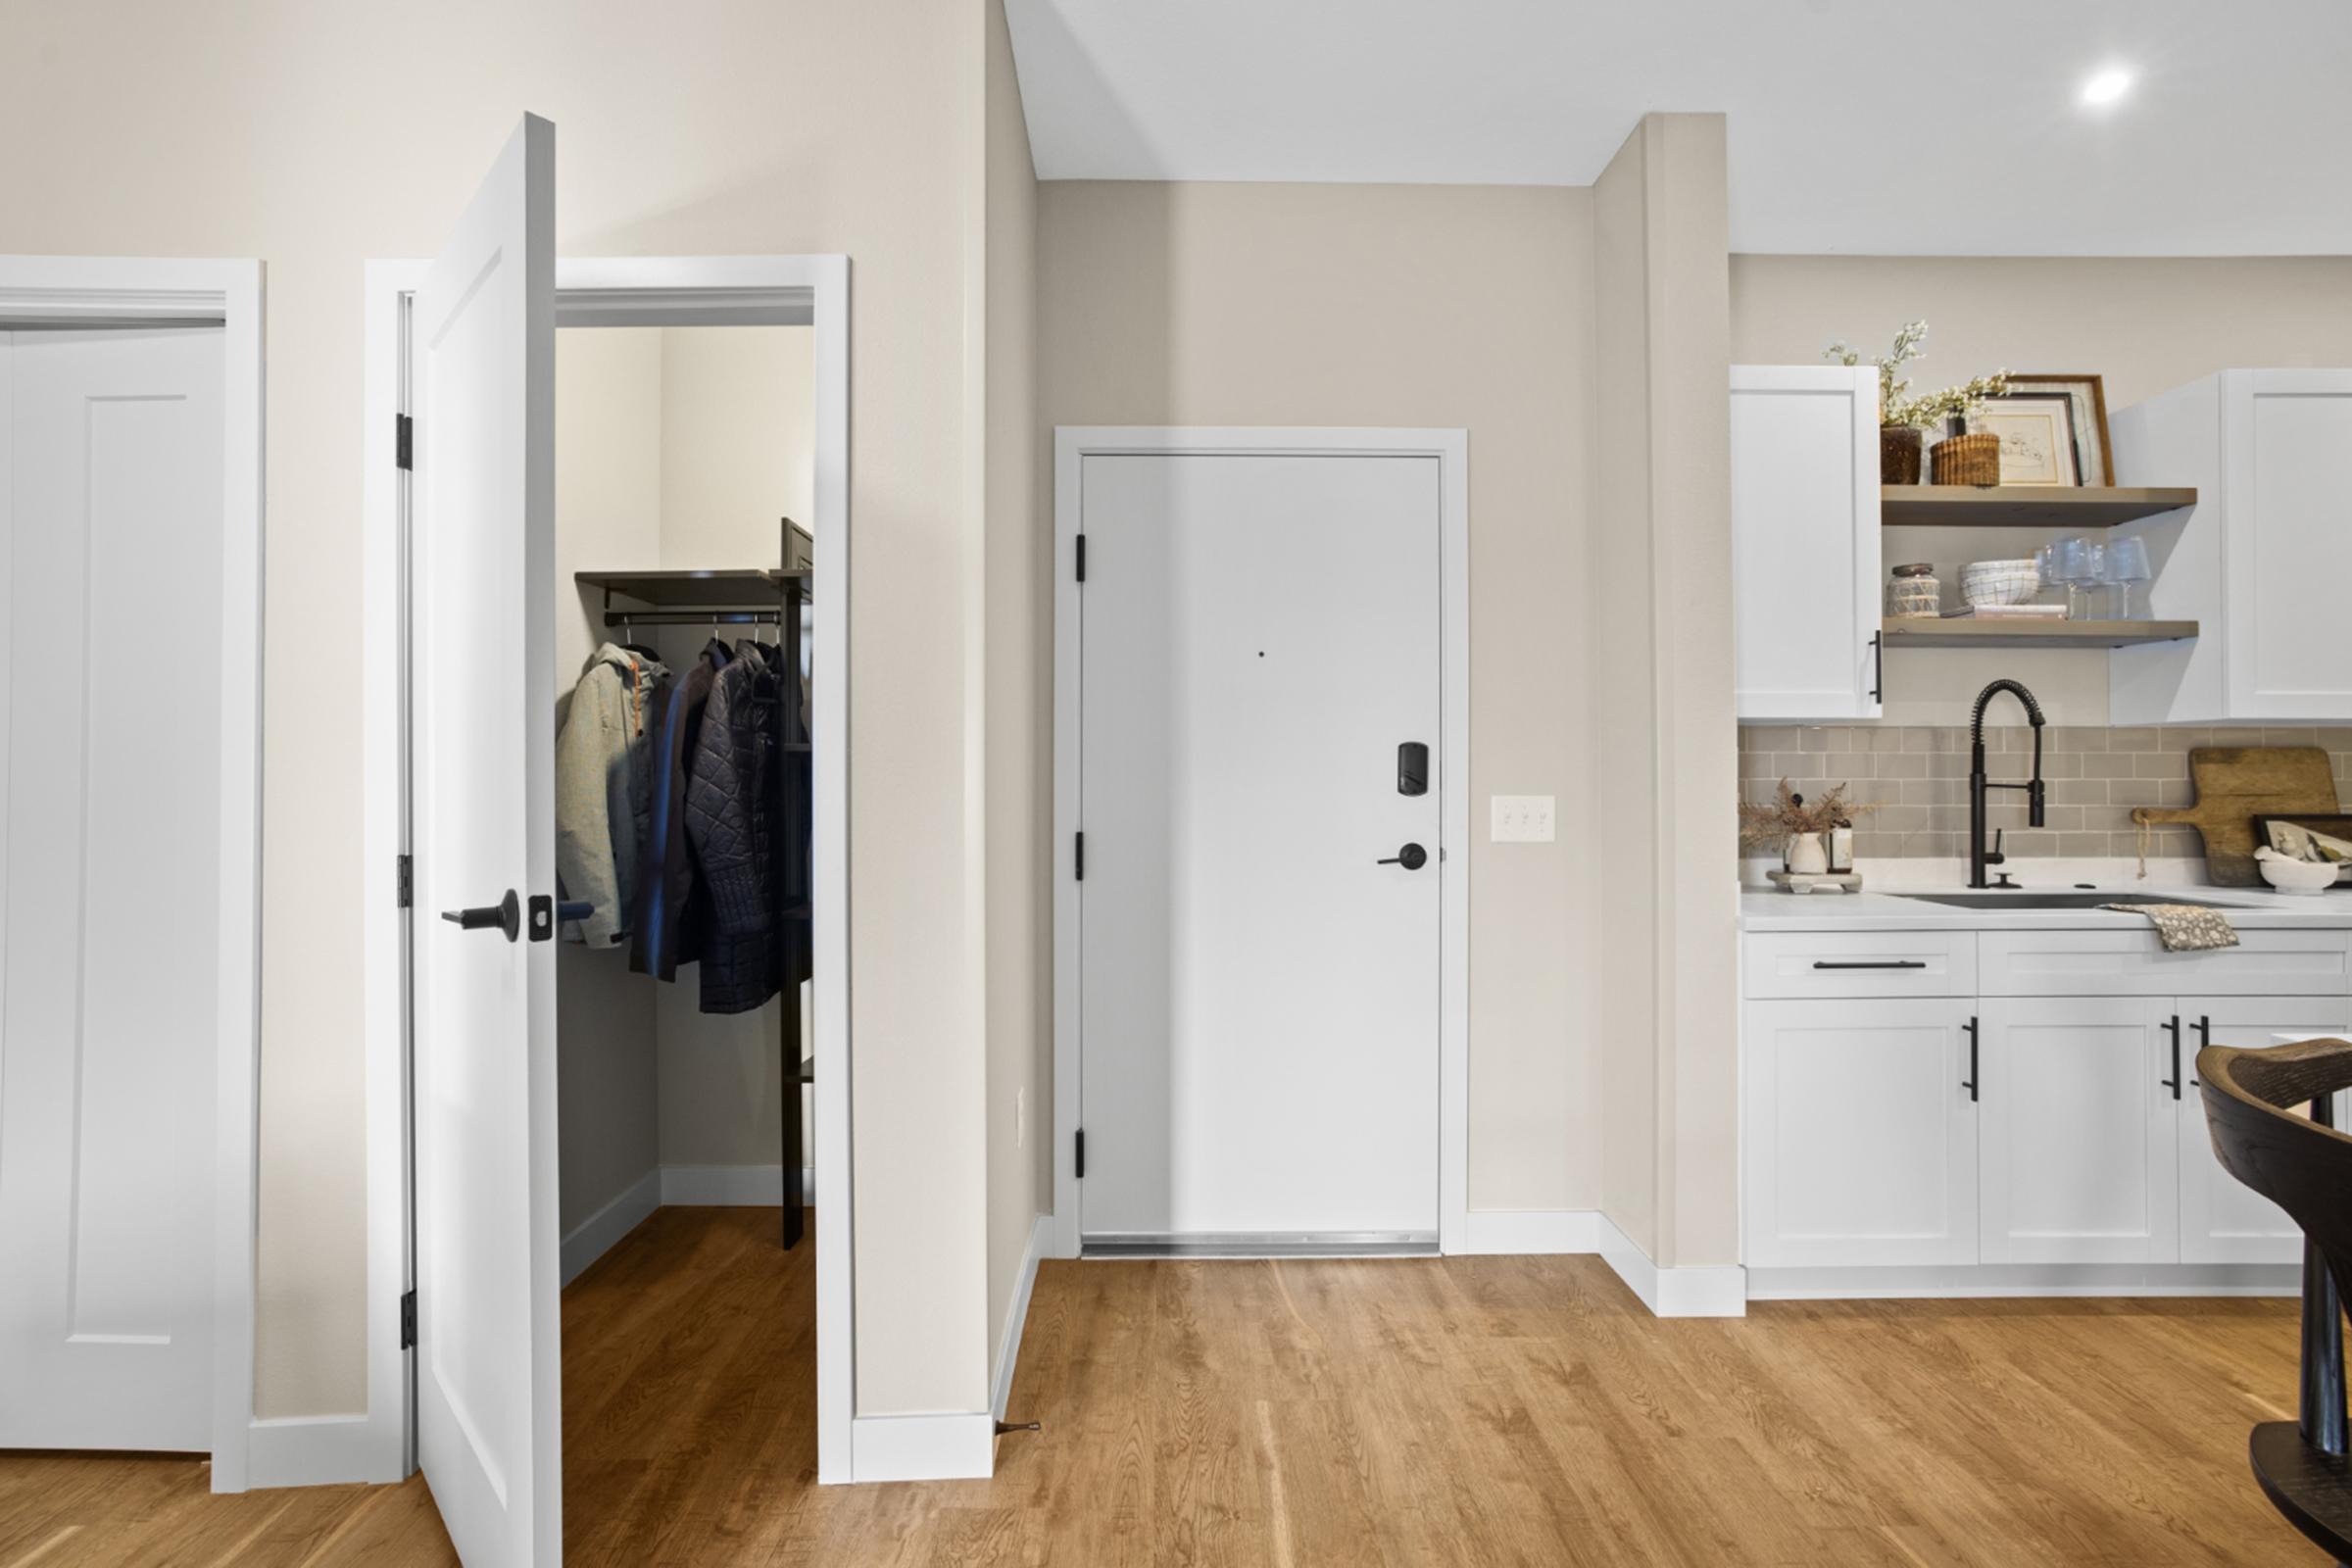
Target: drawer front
{"type": "Point", "coordinates": [1862, 963]}
{"type": "Point", "coordinates": [2133, 963]}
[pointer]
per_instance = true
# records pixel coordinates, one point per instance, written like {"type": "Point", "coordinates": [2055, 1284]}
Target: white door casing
{"type": "Point", "coordinates": [483, 638]}
{"type": "Point", "coordinates": [112, 518]}
{"type": "Point", "coordinates": [1259, 1016]}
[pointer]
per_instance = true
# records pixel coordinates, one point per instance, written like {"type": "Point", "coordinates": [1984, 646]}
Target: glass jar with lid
{"type": "Point", "coordinates": [1915, 594]}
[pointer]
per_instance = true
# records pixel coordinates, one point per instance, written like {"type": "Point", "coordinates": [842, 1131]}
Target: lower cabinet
{"type": "Point", "coordinates": [2222, 1219]}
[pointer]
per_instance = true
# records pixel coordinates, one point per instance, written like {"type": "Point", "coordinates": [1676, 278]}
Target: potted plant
{"type": "Point", "coordinates": [1795, 825]}
{"type": "Point", "coordinates": [1903, 420]}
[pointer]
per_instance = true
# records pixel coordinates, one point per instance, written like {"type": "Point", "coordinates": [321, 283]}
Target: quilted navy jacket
{"type": "Point", "coordinates": [731, 828]}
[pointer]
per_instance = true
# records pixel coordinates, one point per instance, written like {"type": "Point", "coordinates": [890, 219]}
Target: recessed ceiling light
{"type": "Point", "coordinates": [2106, 87]}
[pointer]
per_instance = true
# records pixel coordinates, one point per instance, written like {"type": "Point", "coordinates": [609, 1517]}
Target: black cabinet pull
{"type": "Point", "coordinates": [1878, 665]}
{"type": "Point", "coordinates": [2173, 1082]}
{"type": "Point", "coordinates": [503, 916]}
{"type": "Point", "coordinates": [2204, 1038]}
{"type": "Point", "coordinates": [1871, 964]}
{"type": "Point", "coordinates": [1970, 1083]}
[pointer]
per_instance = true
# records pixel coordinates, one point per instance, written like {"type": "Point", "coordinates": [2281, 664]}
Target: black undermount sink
{"type": "Point", "coordinates": [2020, 899]}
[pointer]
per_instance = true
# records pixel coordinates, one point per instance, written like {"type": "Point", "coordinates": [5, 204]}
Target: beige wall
{"type": "Point", "coordinates": [2143, 324]}
{"type": "Point", "coordinates": [1433, 306]}
{"type": "Point", "coordinates": [316, 135]}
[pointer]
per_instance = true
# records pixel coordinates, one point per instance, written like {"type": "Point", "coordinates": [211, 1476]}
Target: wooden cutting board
{"type": "Point", "coordinates": [2233, 783]}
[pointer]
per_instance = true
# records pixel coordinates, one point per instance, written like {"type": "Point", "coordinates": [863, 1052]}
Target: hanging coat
{"type": "Point", "coordinates": [671, 900]}
{"type": "Point", "coordinates": [732, 826]}
{"type": "Point", "coordinates": [604, 791]}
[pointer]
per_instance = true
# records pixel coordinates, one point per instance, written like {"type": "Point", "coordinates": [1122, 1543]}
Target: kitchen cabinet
{"type": "Point", "coordinates": [2259, 560]}
{"type": "Point", "coordinates": [1805, 594]}
{"type": "Point", "coordinates": [1861, 1147]}
{"type": "Point", "coordinates": [2222, 1219]}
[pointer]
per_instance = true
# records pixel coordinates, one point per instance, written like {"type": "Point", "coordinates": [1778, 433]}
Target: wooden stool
{"type": "Point", "coordinates": [2305, 1167]}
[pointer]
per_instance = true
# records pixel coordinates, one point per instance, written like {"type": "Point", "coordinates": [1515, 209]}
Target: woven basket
{"type": "Point", "coordinates": [1973, 459]}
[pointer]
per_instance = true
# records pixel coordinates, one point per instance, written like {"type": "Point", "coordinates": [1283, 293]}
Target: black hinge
{"type": "Point", "coordinates": [408, 881]}
{"type": "Point", "coordinates": [1082, 558]}
{"type": "Point", "coordinates": [407, 1319]}
{"type": "Point", "coordinates": [1080, 853]}
{"type": "Point", "coordinates": [1082, 1153]}
{"type": "Point", "coordinates": [404, 441]}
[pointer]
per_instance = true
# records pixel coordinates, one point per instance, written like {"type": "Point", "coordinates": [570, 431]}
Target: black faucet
{"type": "Point", "coordinates": [1979, 857]}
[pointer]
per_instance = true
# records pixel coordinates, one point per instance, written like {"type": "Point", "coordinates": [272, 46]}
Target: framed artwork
{"type": "Point", "coordinates": [2094, 458]}
{"type": "Point", "coordinates": [2038, 437]}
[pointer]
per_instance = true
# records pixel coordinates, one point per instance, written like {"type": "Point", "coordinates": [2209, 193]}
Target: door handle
{"type": "Point", "coordinates": [1877, 666]}
{"type": "Point", "coordinates": [503, 916]}
{"type": "Point", "coordinates": [2204, 1041]}
{"type": "Point", "coordinates": [1413, 858]}
{"type": "Point", "coordinates": [1870, 964]}
{"type": "Point", "coordinates": [2173, 1082]}
{"type": "Point", "coordinates": [1969, 1084]}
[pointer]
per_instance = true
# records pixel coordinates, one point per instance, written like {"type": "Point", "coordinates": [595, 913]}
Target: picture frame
{"type": "Point", "coordinates": [2094, 453]}
{"type": "Point", "coordinates": [2036, 432]}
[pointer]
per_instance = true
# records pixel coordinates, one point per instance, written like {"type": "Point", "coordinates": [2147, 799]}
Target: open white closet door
{"type": "Point", "coordinates": [483, 396]}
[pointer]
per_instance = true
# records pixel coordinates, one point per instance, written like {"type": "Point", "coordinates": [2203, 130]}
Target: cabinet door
{"type": "Point", "coordinates": [2222, 1219]}
{"type": "Point", "coordinates": [1860, 1137]}
{"type": "Point", "coordinates": [1805, 541]}
{"type": "Point", "coordinates": [2288, 543]}
{"type": "Point", "coordinates": [2079, 1140]}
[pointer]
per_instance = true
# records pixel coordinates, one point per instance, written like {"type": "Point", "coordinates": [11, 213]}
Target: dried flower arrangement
{"type": "Point", "coordinates": [1929, 410]}
{"type": "Point", "coordinates": [1767, 824]}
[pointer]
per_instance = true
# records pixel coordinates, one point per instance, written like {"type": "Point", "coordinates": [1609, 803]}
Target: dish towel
{"type": "Point", "coordinates": [2184, 927]}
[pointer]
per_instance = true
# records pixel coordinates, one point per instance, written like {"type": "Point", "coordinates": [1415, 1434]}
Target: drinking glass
{"type": "Point", "coordinates": [2126, 563]}
{"type": "Point", "coordinates": [2081, 566]}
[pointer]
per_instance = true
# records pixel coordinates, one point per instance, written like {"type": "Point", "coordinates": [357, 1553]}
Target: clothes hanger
{"type": "Point", "coordinates": [628, 632]}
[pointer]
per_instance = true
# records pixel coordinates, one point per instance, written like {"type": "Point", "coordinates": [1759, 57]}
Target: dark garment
{"type": "Point", "coordinates": [671, 904]}
{"type": "Point", "coordinates": [732, 826]}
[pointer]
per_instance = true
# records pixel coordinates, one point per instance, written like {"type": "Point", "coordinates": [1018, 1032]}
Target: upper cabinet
{"type": "Point", "coordinates": [1805, 542]}
{"type": "Point", "coordinates": [2262, 559]}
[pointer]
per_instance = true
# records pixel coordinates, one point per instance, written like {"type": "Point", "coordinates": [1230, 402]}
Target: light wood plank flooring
{"type": "Point", "coordinates": [1464, 1410]}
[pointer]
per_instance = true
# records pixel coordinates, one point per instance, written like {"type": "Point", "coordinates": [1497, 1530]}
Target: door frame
{"type": "Point", "coordinates": [614, 291]}
{"type": "Point", "coordinates": [132, 291]}
{"type": "Point", "coordinates": [1073, 444]}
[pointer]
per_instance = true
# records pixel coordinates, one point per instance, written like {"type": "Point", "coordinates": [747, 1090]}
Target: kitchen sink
{"type": "Point", "coordinates": [2020, 900]}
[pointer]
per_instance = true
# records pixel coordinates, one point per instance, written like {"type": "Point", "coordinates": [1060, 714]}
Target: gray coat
{"type": "Point", "coordinates": [604, 790]}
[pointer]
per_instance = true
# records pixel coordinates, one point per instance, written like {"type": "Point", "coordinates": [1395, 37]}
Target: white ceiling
{"type": "Point", "coordinates": [1856, 125]}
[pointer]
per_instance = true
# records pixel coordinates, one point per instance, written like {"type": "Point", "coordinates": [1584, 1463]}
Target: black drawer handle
{"type": "Point", "coordinates": [1872, 963]}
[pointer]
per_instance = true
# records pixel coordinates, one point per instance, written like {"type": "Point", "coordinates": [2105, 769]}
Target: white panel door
{"type": "Point", "coordinates": [109, 766]}
{"type": "Point", "coordinates": [1805, 591]}
{"type": "Point", "coordinates": [2223, 1220]}
{"type": "Point", "coordinates": [1259, 994]}
{"type": "Point", "coordinates": [2289, 532]}
{"type": "Point", "coordinates": [2078, 1141]}
{"type": "Point", "coordinates": [1838, 1087]}
{"type": "Point", "coordinates": [482, 353]}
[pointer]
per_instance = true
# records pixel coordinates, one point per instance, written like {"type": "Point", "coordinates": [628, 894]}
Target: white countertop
{"type": "Point", "coordinates": [2254, 909]}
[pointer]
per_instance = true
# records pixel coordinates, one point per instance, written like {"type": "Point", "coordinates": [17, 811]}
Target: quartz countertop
{"type": "Point", "coordinates": [2255, 909]}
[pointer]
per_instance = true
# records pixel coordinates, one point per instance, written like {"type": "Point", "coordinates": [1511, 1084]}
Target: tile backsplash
{"type": "Point", "coordinates": [1917, 775]}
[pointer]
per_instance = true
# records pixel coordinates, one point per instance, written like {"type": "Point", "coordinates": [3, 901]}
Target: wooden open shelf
{"type": "Point", "coordinates": [2008, 506]}
{"type": "Point", "coordinates": [1908, 632]}
{"type": "Point", "coordinates": [695, 590]}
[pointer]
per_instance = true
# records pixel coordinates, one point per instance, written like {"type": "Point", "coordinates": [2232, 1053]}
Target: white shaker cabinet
{"type": "Point", "coordinates": [2222, 1219]}
{"type": "Point", "coordinates": [1805, 585]}
{"type": "Point", "coordinates": [2261, 559]}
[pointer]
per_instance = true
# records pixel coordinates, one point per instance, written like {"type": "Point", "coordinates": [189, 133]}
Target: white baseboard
{"type": "Point", "coordinates": [1016, 1315]}
{"type": "Point", "coordinates": [1673, 1292]}
{"type": "Point", "coordinates": [1532, 1231]}
{"type": "Point", "coordinates": [730, 1186]}
{"type": "Point", "coordinates": [959, 1446]}
{"type": "Point", "coordinates": [594, 1236]}
{"type": "Point", "coordinates": [1984, 1280]}
{"type": "Point", "coordinates": [323, 1450]}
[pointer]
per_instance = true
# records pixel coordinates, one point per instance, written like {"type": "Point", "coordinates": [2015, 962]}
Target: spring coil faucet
{"type": "Point", "coordinates": [1979, 857]}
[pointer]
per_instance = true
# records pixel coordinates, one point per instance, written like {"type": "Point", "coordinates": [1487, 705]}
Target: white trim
{"type": "Point", "coordinates": [1017, 1314]}
{"type": "Point", "coordinates": [613, 291]}
{"type": "Point", "coordinates": [730, 1186]}
{"type": "Point", "coordinates": [1673, 1292]}
{"type": "Point", "coordinates": [598, 1234]}
{"type": "Point", "coordinates": [315, 1451]}
{"type": "Point", "coordinates": [113, 288]}
{"type": "Point", "coordinates": [1451, 448]}
{"type": "Point", "coordinates": [1532, 1232]}
{"type": "Point", "coordinates": [956, 1446]}
{"type": "Point", "coordinates": [1981, 1281]}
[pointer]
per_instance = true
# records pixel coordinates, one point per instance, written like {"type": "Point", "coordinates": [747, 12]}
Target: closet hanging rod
{"type": "Point", "coordinates": [693, 618]}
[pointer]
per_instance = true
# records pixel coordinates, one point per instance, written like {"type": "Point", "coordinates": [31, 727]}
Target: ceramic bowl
{"type": "Point", "coordinates": [2291, 875]}
{"type": "Point", "coordinates": [1999, 582]}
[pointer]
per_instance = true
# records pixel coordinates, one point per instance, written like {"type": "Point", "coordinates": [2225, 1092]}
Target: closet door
{"type": "Point", "coordinates": [482, 373]}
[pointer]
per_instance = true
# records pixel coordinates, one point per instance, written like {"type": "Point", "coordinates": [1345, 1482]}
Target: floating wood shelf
{"type": "Point", "coordinates": [2010, 506]}
{"type": "Point", "coordinates": [695, 590]}
{"type": "Point", "coordinates": [1907, 632]}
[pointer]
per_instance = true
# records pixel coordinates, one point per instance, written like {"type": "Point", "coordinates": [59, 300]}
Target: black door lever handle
{"type": "Point", "coordinates": [503, 916]}
{"type": "Point", "coordinates": [1413, 858]}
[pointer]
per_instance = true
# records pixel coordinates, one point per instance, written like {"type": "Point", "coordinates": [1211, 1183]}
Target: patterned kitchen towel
{"type": "Point", "coordinates": [2184, 927]}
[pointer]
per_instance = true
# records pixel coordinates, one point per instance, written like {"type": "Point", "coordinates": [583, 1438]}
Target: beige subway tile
{"type": "Point", "coordinates": [1849, 765]}
{"type": "Point", "coordinates": [1910, 764]}
{"type": "Point", "coordinates": [1869, 846]}
{"type": "Point", "coordinates": [2068, 818]}
{"type": "Point", "coordinates": [2078, 792]}
{"type": "Point", "coordinates": [2086, 845]}
{"type": "Point", "coordinates": [1949, 764]}
{"type": "Point", "coordinates": [2065, 764]}
{"type": "Point", "coordinates": [2162, 764]}
{"type": "Point", "coordinates": [2335, 739]}
{"type": "Point", "coordinates": [2176, 846]}
{"type": "Point", "coordinates": [2030, 843]}
{"type": "Point", "coordinates": [1947, 818]}
{"type": "Point", "coordinates": [1887, 738]}
{"type": "Point", "coordinates": [2136, 792]}
{"type": "Point", "coordinates": [1899, 819]}
{"type": "Point", "coordinates": [2076, 738]}
{"type": "Point", "coordinates": [1796, 766]}
{"type": "Point", "coordinates": [2289, 735]}
{"type": "Point", "coordinates": [2176, 792]}
{"type": "Point", "coordinates": [1769, 738]}
{"type": "Point", "coordinates": [1818, 740]}
{"type": "Point", "coordinates": [2103, 819]}
{"type": "Point", "coordinates": [1931, 846]}
{"type": "Point", "coordinates": [2236, 737]}
{"type": "Point", "coordinates": [2182, 737]}
{"type": "Point", "coordinates": [2134, 738]}
{"type": "Point", "coordinates": [1920, 738]}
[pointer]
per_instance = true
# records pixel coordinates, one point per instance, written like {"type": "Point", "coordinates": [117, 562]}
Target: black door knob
{"type": "Point", "coordinates": [503, 916]}
{"type": "Point", "coordinates": [1413, 858]}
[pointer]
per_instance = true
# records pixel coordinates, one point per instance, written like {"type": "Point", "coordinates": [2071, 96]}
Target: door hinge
{"type": "Point", "coordinates": [1082, 558]}
{"type": "Point", "coordinates": [404, 441]}
{"type": "Point", "coordinates": [1081, 1162]}
{"type": "Point", "coordinates": [1079, 854]}
{"type": "Point", "coordinates": [407, 878]}
{"type": "Point", "coordinates": [407, 1319]}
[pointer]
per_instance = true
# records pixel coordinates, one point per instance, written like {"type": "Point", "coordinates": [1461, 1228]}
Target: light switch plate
{"type": "Point", "coordinates": [1520, 820]}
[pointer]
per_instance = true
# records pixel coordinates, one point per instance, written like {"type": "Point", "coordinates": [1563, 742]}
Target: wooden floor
{"type": "Point", "coordinates": [1465, 1410]}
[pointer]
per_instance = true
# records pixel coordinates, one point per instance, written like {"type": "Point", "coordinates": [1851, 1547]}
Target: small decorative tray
{"type": "Point", "coordinates": [1816, 881]}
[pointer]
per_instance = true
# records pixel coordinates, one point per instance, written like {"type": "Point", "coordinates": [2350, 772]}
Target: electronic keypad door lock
{"type": "Point", "coordinates": [1412, 769]}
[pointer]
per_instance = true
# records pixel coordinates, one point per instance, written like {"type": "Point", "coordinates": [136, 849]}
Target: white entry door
{"type": "Point", "coordinates": [110, 486]}
{"type": "Point", "coordinates": [1260, 897]}
{"type": "Point", "coordinates": [482, 379]}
